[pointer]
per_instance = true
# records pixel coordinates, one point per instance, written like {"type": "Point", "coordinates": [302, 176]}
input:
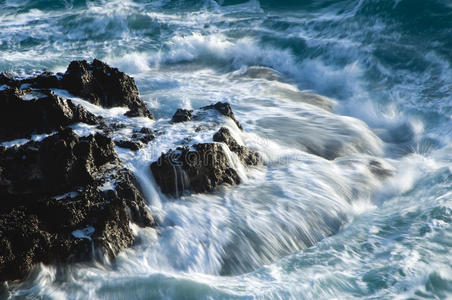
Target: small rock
{"type": "Point", "coordinates": [225, 109]}
{"type": "Point", "coordinates": [144, 135]}
{"type": "Point", "coordinates": [134, 146]}
{"type": "Point", "coordinates": [200, 170]}
{"type": "Point", "coordinates": [45, 80]}
{"type": "Point", "coordinates": [182, 115]}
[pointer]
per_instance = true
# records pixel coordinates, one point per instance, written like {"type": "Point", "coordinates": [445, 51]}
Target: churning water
{"type": "Point", "coordinates": [350, 104]}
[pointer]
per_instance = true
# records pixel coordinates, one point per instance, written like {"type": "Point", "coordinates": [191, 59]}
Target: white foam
{"type": "Point", "coordinates": [109, 185]}
{"type": "Point", "coordinates": [66, 195]}
{"type": "Point", "coordinates": [33, 95]}
{"type": "Point", "coordinates": [84, 233]}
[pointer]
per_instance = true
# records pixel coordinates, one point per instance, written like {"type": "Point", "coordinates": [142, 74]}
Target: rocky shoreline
{"type": "Point", "coordinates": [68, 198]}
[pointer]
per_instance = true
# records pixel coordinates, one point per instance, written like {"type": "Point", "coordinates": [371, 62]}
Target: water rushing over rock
{"type": "Point", "coordinates": [68, 198]}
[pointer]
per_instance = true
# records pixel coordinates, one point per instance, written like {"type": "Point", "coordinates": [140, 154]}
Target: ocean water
{"type": "Point", "coordinates": [350, 104]}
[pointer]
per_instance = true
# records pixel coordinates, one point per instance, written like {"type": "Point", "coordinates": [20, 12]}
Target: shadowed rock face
{"type": "Point", "coordinates": [201, 169]}
{"type": "Point", "coordinates": [105, 86]}
{"type": "Point", "coordinates": [57, 205]}
{"type": "Point", "coordinates": [20, 118]}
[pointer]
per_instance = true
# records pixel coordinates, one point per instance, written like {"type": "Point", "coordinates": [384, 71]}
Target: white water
{"type": "Point", "coordinates": [316, 221]}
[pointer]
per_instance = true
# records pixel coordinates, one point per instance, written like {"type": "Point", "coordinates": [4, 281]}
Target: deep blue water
{"type": "Point", "coordinates": [322, 88]}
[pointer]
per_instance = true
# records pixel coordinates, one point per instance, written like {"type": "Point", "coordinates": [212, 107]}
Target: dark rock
{"type": "Point", "coordinates": [56, 206]}
{"type": "Point", "coordinates": [105, 86]}
{"type": "Point", "coordinates": [247, 156]}
{"type": "Point", "coordinates": [225, 109]}
{"type": "Point", "coordinates": [145, 130]}
{"type": "Point", "coordinates": [128, 144]}
{"type": "Point", "coordinates": [117, 126]}
{"type": "Point", "coordinates": [200, 170]}
{"type": "Point", "coordinates": [45, 80]}
{"type": "Point", "coordinates": [20, 118]}
{"type": "Point", "coordinates": [144, 135]}
{"type": "Point", "coordinates": [8, 79]}
{"type": "Point", "coordinates": [182, 115]}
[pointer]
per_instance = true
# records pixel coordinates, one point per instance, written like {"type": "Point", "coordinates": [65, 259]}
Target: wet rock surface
{"type": "Point", "coordinates": [201, 168]}
{"type": "Point", "coordinates": [105, 86]}
{"type": "Point", "coordinates": [247, 156]}
{"type": "Point", "coordinates": [20, 118]}
{"type": "Point", "coordinates": [132, 145]}
{"type": "Point", "coordinates": [224, 109]}
{"type": "Point", "coordinates": [182, 115]}
{"type": "Point", "coordinates": [64, 199]}
{"type": "Point", "coordinates": [96, 82]}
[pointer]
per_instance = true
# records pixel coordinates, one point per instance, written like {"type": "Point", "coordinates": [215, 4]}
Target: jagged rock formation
{"type": "Point", "coordinates": [20, 118]}
{"type": "Point", "coordinates": [182, 115]}
{"type": "Point", "coordinates": [62, 199]}
{"type": "Point", "coordinates": [224, 109]}
{"type": "Point", "coordinates": [105, 86]}
{"type": "Point", "coordinates": [68, 198]}
{"type": "Point", "coordinates": [96, 82]}
{"type": "Point", "coordinates": [202, 168]}
{"type": "Point", "coordinates": [247, 156]}
{"type": "Point", "coordinates": [197, 171]}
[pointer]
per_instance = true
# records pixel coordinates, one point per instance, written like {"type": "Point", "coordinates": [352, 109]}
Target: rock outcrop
{"type": "Point", "coordinates": [20, 118]}
{"type": "Point", "coordinates": [105, 86]}
{"type": "Point", "coordinates": [183, 171]}
{"type": "Point", "coordinates": [138, 139]}
{"type": "Point", "coordinates": [66, 198]}
{"type": "Point", "coordinates": [182, 115]}
{"type": "Point", "coordinates": [96, 82]}
{"type": "Point", "coordinates": [247, 156]}
{"type": "Point", "coordinates": [202, 168]}
{"type": "Point", "coordinates": [224, 109]}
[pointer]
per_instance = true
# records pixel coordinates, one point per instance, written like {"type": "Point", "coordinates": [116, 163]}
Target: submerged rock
{"type": "Point", "coordinates": [20, 118]}
{"type": "Point", "coordinates": [105, 86]}
{"type": "Point", "coordinates": [138, 139]}
{"type": "Point", "coordinates": [65, 199]}
{"type": "Point", "coordinates": [182, 115]}
{"type": "Point", "coordinates": [225, 109]}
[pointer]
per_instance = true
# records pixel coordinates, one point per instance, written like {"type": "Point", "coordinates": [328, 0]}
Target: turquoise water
{"type": "Point", "coordinates": [323, 89]}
